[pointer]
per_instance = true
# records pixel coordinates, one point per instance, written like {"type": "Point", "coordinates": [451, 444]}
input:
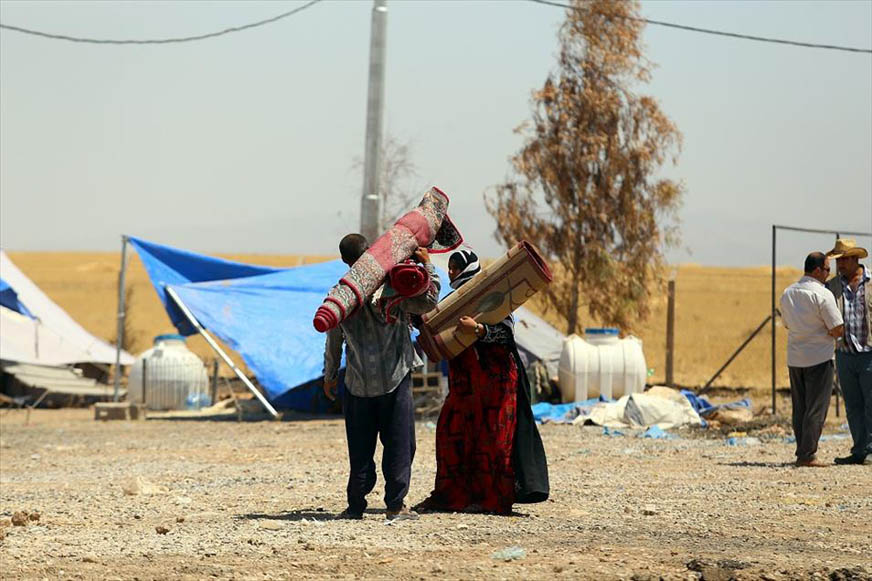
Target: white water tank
{"type": "Point", "coordinates": [601, 364]}
{"type": "Point", "coordinates": [174, 376]}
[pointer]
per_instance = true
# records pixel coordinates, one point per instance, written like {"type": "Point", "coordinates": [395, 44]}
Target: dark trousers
{"type": "Point", "coordinates": [855, 377]}
{"type": "Point", "coordinates": [810, 391]}
{"type": "Point", "coordinates": [390, 417]}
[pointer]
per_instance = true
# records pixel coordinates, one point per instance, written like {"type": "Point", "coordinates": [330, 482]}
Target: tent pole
{"type": "Point", "coordinates": [214, 345]}
{"type": "Point", "coordinates": [121, 314]}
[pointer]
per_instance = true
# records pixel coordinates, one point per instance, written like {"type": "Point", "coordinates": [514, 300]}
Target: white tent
{"type": "Point", "coordinates": [51, 337]}
{"type": "Point", "coordinates": [538, 338]}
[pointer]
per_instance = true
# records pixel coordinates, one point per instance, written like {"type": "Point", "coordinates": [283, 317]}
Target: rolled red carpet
{"type": "Point", "coordinates": [426, 225]}
{"type": "Point", "coordinates": [409, 279]}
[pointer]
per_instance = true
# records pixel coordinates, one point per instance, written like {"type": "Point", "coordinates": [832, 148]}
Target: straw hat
{"type": "Point", "coordinates": [847, 247]}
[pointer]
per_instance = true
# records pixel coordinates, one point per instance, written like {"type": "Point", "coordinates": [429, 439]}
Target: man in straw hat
{"type": "Point", "coordinates": [853, 294]}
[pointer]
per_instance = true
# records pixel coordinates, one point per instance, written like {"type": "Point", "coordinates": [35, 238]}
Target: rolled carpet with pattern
{"type": "Point", "coordinates": [409, 279]}
{"type": "Point", "coordinates": [488, 297]}
{"type": "Point", "coordinates": [427, 225]}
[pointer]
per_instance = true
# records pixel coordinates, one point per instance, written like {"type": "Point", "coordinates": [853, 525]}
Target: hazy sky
{"type": "Point", "coordinates": [245, 143]}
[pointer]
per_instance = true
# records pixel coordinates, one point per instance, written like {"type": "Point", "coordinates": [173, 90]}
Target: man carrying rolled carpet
{"type": "Point", "coordinates": [378, 398]}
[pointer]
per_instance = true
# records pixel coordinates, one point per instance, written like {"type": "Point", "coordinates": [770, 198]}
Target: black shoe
{"type": "Point", "coordinates": [401, 513]}
{"type": "Point", "coordinates": [850, 460]}
{"type": "Point", "coordinates": [349, 514]}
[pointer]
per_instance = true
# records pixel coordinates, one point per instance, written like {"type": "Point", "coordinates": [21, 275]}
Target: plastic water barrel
{"type": "Point", "coordinates": [174, 376]}
{"type": "Point", "coordinates": [601, 364]}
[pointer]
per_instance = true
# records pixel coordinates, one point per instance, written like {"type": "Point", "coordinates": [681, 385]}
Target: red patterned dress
{"type": "Point", "coordinates": [476, 429]}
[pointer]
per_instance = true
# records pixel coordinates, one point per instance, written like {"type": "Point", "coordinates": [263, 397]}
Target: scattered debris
{"type": "Point", "coordinates": [850, 574]}
{"type": "Point", "coordinates": [657, 433]}
{"type": "Point", "coordinates": [509, 554]}
{"type": "Point", "coordinates": [743, 441]}
{"type": "Point", "coordinates": [774, 431]}
{"type": "Point", "coordinates": [731, 417]}
{"type": "Point", "coordinates": [269, 525]}
{"type": "Point", "coordinates": [723, 570]}
{"type": "Point", "coordinates": [138, 485]}
{"type": "Point", "coordinates": [732, 564]}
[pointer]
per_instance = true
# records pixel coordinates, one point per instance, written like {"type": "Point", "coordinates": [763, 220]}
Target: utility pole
{"type": "Point", "coordinates": [119, 336]}
{"type": "Point", "coordinates": [371, 200]}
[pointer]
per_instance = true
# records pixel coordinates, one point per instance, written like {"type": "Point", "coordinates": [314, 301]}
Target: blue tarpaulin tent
{"type": "Point", "coordinates": [264, 314]}
{"type": "Point", "coordinates": [166, 265]}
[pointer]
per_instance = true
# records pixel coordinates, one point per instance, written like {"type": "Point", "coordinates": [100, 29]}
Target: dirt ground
{"type": "Point", "coordinates": [254, 500]}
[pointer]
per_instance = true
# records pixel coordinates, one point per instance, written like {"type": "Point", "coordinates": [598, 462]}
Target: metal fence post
{"type": "Point", "coordinates": [772, 314]}
{"type": "Point", "coordinates": [670, 333]}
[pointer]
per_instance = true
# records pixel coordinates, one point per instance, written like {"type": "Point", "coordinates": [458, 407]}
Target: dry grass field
{"type": "Point", "coordinates": [716, 309]}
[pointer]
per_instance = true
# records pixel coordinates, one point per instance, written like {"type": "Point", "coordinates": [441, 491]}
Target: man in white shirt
{"type": "Point", "coordinates": [813, 322]}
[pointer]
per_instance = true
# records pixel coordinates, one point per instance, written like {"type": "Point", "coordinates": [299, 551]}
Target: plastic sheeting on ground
{"type": "Point", "coordinates": [659, 406]}
{"type": "Point", "coordinates": [564, 413]}
{"type": "Point", "coordinates": [705, 408]}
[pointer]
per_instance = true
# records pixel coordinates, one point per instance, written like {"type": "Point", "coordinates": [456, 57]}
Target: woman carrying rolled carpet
{"type": "Point", "coordinates": [488, 451]}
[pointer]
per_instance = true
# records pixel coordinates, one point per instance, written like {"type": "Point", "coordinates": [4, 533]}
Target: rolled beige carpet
{"type": "Point", "coordinates": [488, 297]}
